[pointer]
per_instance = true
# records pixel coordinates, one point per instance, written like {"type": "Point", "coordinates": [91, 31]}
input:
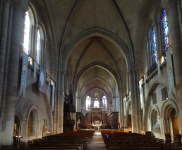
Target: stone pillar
{"type": "Point", "coordinates": [66, 87]}
{"type": "Point", "coordinates": [134, 102]}
{"type": "Point", "coordinates": [12, 85]}
{"type": "Point", "coordinates": [114, 103]}
{"type": "Point", "coordinates": [60, 111]}
{"type": "Point", "coordinates": [175, 40]}
{"type": "Point", "coordinates": [104, 118]}
{"type": "Point", "coordinates": [110, 111]}
{"type": "Point", "coordinates": [121, 110]}
{"type": "Point", "coordinates": [3, 42]}
{"type": "Point", "coordinates": [78, 104]}
{"type": "Point", "coordinates": [3, 49]}
{"type": "Point", "coordinates": [82, 107]}
{"type": "Point", "coordinates": [92, 118]}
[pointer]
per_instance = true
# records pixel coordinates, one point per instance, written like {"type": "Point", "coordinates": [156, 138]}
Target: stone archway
{"type": "Point", "coordinates": [32, 124]}
{"type": "Point", "coordinates": [170, 114]}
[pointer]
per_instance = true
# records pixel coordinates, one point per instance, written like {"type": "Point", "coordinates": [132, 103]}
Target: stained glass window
{"type": "Point", "coordinates": [26, 33]}
{"type": "Point", "coordinates": [88, 102]}
{"type": "Point", "coordinates": [38, 47]}
{"type": "Point", "coordinates": [165, 29]}
{"type": "Point", "coordinates": [96, 104]}
{"type": "Point", "coordinates": [154, 45]}
{"type": "Point", "coordinates": [104, 101]}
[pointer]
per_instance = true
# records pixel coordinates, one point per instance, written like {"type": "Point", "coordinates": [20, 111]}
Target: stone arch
{"type": "Point", "coordinates": [151, 90]}
{"type": "Point", "coordinates": [102, 65]}
{"type": "Point", "coordinates": [154, 108]}
{"type": "Point", "coordinates": [32, 127]}
{"type": "Point", "coordinates": [94, 88]}
{"type": "Point", "coordinates": [101, 32]}
{"type": "Point", "coordinates": [18, 121]}
{"type": "Point", "coordinates": [34, 13]}
{"type": "Point", "coordinates": [167, 106]}
{"type": "Point", "coordinates": [99, 78]}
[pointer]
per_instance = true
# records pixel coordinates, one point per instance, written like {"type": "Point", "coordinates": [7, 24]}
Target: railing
{"type": "Point", "coordinates": [161, 63]}
{"type": "Point", "coordinates": [31, 64]}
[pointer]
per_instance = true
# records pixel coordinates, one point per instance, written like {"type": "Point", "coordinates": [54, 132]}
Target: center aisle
{"type": "Point", "coordinates": [97, 142]}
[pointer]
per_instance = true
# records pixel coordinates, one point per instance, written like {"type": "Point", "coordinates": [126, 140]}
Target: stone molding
{"type": "Point", "coordinates": [128, 54]}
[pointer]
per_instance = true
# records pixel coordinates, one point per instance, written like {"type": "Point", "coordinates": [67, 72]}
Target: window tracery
{"type": "Point", "coordinates": [165, 29]}
{"type": "Point", "coordinates": [96, 104]}
{"type": "Point", "coordinates": [154, 45]}
{"type": "Point", "coordinates": [38, 48]}
{"type": "Point", "coordinates": [26, 33]}
{"type": "Point", "coordinates": [104, 101]}
{"type": "Point", "coordinates": [88, 102]}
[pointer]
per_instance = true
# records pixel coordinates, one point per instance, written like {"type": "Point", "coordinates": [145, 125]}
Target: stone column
{"type": "Point", "coordinates": [134, 102]}
{"type": "Point", "coordinates": [78, 104]}
{"type": "Point", "coordinates": [121, 110]}
{"type": "Point", "coordinates": [66, 83]}
{"type": "Point", "coordinates": [104, 118]}
{"type": "Point", "coordinates": [89, 118]}
{"type": "Point", "coordinates": [110, 111]}
{"type": "Point", "coordinates": [60, 112]}
{"type": "Point", "coordinates": [3, 42]}
{"type": "Point", "coordinates": [3, 49]}
{"type": "Point", "coordinates": [82, 105]}
{"type": "Point", "coordinates": [12, 85]}
{"type": "Point", "coordinates": [114, 103]}
{"type": "Point", "coordinates": [175, 41]}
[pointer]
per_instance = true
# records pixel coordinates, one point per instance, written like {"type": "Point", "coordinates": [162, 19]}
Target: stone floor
{"type": "Point", "coordinates": [97, 142]}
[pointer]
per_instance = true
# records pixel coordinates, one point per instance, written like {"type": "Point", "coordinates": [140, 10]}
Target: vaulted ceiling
{"type": "Point", "coordinates": [95, 61]}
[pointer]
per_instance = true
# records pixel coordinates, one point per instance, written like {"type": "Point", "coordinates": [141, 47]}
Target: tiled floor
{"type": "Point", "coordinates": [97, 142]}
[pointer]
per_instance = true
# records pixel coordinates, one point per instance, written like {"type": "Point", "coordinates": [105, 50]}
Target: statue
{"type": "Point", "coordinates": [44, 129]}
{"type": "Point", "coordinates": [68, 98]}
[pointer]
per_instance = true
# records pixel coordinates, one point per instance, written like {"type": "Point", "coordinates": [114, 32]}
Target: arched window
{"type": "Point", "coordinates": [104, 101]}
{"type": "Point", "coordinates": [38, 48]}
{"type": "Point", "coordinates": [40, 41]}
{"type": "Point", "coordinates": [96, 104]}
{"type": "Point", "coordinates": [165, 29]}
{"type": "Point", "coordinates": [26, 33]}
{"type": "Point", "coordinates": [154, 46]}
{"type": "Point", "coordinates": [88, 102]}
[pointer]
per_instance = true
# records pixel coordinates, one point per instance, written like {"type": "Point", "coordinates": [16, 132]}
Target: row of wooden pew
{"type": "Point", "coordinates": [117, 140]}
{"type": "Point", "coordinates": [75, 140]}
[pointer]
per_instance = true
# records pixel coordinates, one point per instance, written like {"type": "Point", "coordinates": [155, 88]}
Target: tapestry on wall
{"type": "Point", "coordinates": [24, 73]}
{"type": "Point", "coordinates": [170, 71]}
{"type": "Point", "coordinates": [42, 78]}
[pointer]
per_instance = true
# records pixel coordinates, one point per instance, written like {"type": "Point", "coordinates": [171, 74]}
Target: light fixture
{"type": "Point", "coordinates": [52, 82]}
{"type": "Point", "coordinates": [162, 59]}
{"type": "Point", "coordinates": [30, 61]}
